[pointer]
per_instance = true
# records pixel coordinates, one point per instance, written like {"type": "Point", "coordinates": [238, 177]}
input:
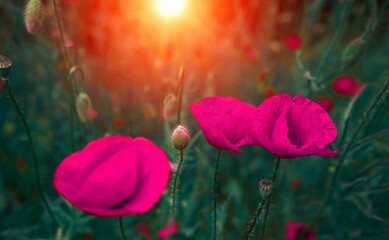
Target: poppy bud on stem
{"type": "Point", "coordinates": [5, 63]}
{"type": "Point", "coordinates": [265, 188]}
{"type": "Point", "coordinates": [180, 140]}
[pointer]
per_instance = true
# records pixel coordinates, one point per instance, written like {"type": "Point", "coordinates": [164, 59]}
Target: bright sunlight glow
{"type": "Point", "coordinates": [170, 8]}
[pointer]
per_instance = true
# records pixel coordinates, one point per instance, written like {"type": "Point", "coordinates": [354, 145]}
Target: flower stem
{"type": "Point", "coordinates": [180, 89]}
{"type": "Point", "coordinates": [122, 228]}
{"type": "Point", "coordinates": [11, 95]}
{"type": "Point", "coordinates": [214, 230]}
{"type": "Point", "coordinates": [331, 45]}
{"type": "Point", "coordinates": [373, 10]}
{"type": "Point", "coordinates": [254, 221]}
{"type": "Point", "coordinates": [381, 95]}
{"type": "Point", "coordinates": [175, 183]}
{"type": "Point", "coordinates": [276, 167]}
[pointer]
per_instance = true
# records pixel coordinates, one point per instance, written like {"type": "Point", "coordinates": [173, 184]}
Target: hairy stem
{"type": "Point", "coordinates": [175, 183]}
{"type": "Point", "coordinates": [254, 221]}
{"type": "Point", "coordinates": [36, 166]}
{"type": "Point", "coordinates": [276, 166]}
{"type": "Point", "coordinates": [214, 229]}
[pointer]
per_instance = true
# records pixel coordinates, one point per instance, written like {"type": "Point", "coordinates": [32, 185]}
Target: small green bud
{"type": "Point", "coordinates": [352, 52]}
{"type": "Point", "coordinates": [33, 16]}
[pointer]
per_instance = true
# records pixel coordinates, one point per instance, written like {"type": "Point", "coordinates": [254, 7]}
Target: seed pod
{"type": "Point", "coordinates": [33, 16]}
{"type": "Point", "coordinates": [5, 66]}
{"type": "Point", "coordinates": [265, 187]}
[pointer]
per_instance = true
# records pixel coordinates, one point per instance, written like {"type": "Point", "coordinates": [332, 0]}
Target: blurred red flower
{"type": "Point", "coordinates": [326, 102]}
{"type": "Point", "coordinates": [297, 231]}
{"type": "Point", "coordinates": [114, 176]}
{"type": "Point", "coordinates": [347, 86]}
{"type": "Point", "coordinates": [144, 230]}
{"type": "Point", "coordinates": [293, 42]}
{"type": "Point", "coordinates": [168, 230]}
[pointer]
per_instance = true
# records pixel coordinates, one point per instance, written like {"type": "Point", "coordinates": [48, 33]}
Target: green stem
{"type": "Point", "coordinates": [373, 10]}
{"type": "Point", "coordinates": [180, 89]}
{"type": "Point", "coordinates": [122, 228]}
{"type": "Point", "coordinates": [251, 228]}
{"type": "Point", "coordinates": [362, 123]}
{"type": "Point", "coordinates": [331, 45]}
{"type": "Point", "coordinates": [175, 183]}
{"type": "Point", "coordinates": [214, 230]}
{"type": "Point", "coordinates": [11, 95]}
{"type": "Point", "coordinates": [60, 28]}
{"type": "Point", "coordinates": [276, 166]}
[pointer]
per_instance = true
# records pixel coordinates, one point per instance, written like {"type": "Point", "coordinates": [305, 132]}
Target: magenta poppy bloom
{"type": "Point", "coordinates": [168, 230]}
{"type": "Point", "coordinates": [225, 122]}
{"type": "Point", "coordinates": [293, 42]}
{"type": "Point", "coordinates": [291, 128]}
{"type": "Point", "coordinates": [295, 231]}
{"type": "Point", "coordinates": [346, 86]}
{"type": "Point", "coordinates": [114, 176]}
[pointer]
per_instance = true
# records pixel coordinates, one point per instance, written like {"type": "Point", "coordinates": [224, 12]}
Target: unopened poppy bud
{"type": "Point", "coordinates": [5, 66]}
{"type": "Point", "coordinates": [352, 52]}
{"type": "Point", "coordinates": [83, 106]}
{"type": "Point", "coordinates": [265, 187]}
{"type": "Point", "coordinates": [170, 106]}
{"type": "Point", "coordinates": [180, 138]}
{"type": "Point", "coordinates": [33, 16]}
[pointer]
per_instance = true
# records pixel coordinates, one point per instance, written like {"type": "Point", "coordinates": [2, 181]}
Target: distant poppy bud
{"type": "Point", "coordinates": [180, 138]}
{"type": "Point", "coordinates": [293, 42]}
{"type": "Point", "coordinates": [33, 16]}
{"type": "Point", "coordinates": [5, 66]}
{"type": "Point", "coordinates": [251, 52]}
{"type": "Point", "coordinates": [170, 106]}
{"type": "Point", "coordinates": [144, 230]}
{"type": "Point", "coordinates": [326, 102]}
{"type": "Point", "coordinates": [352, 52]}
{"type": "Point", "coordinates": [83, 105]}
{"type": "Point", "coordinates": [265, 187]}
{"type": "Point", "coordinates": [118, 123]}
{"type": "Point", "coordinates": [149, 110]}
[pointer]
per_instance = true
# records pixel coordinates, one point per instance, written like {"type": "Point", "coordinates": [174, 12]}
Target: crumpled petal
{"type": "Point", "coordinates": [225, 122]}
{"type": "Point", "coordinates": [114, 176]}
{"type": "Point", "coordinates": [291, 128]}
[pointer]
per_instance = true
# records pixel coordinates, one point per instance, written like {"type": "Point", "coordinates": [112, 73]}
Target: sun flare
{"type": "Point", "coordinates": [170, 8]}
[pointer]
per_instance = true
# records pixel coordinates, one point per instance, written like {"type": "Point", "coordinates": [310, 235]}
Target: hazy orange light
{"type": "Point", "coordinates": [170, 8]}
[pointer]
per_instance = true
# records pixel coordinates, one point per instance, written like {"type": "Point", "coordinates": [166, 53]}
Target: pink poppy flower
{"type": "Point", "coordinates": [295, 231]}
{"type": "Point", "coordinates": [291, 128]}
{"type": "Point", "coordinates": [326, 102]}
{"type": "Point", "coordinates": [293, 42]}
{"type": "Point", "coordinates": [346, 86]}
{"type": "Point", "coordinates": [225, 122]}
{"type": "Point", "coordinates": [144, 230]}
{"type": "Point", "coordinates": [114, 176]}
{"type": "Point", "coordinates": [168, 230]}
